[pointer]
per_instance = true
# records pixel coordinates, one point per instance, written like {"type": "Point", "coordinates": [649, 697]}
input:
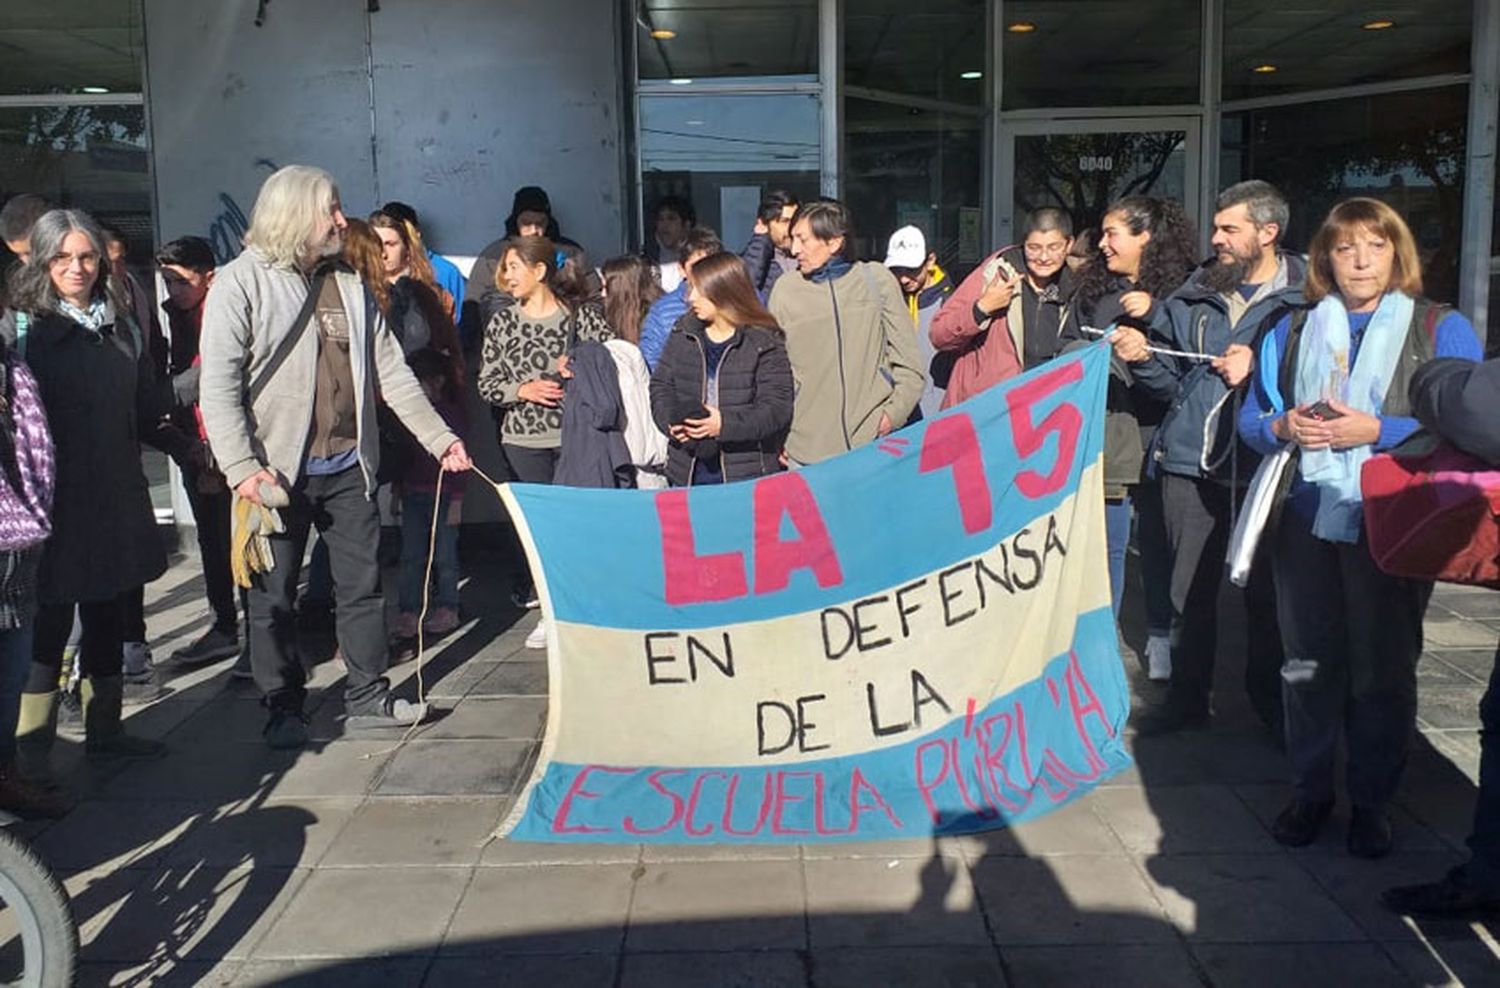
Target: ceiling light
{"type": "Point", "coordinates": [1021, 27]}
{"type": "Point", "coordinates": [95, 90]}
{"type": "Point", "coordinates": [971, 75]}
{"type": "Point", "coordinates": [1377, 25]}
{"type": "Point", "coordinates": [1264, 69]}
{"type": "Point", "coordinates": [662, 34]}
{"type": "Point", "coordinates": [695, 123]}
{"type": "Point", "coordinates": [681, 82]}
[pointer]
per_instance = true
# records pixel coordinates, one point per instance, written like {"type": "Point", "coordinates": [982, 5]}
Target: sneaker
{"type": "Point", "coordinates": [389, 711]}
{"type": "Point", "coordinates": [526, 599]}
{"type": "Point", "coordinates": [1370, 833]}
{"type": "Point", "coordinates": [405, 626]}
{"type": "Point", "coordinates": [538, 636]}
{"type": "Point", "coordinates": [242, 668]}
{"type": "Point", "coordinates": [1454, 897]}
{"type": "Point", "coordinates": [441, 621]}
{"type": "Point", "coordinates": [1158, 659]}
{"type": "Point", "coordinates": [136, 658]}
{"type": "Point", "coordinates": [286, 729]}
{"type": "Point", "coordinates": [1299, 823]}
{"type": "Point", "coordinates": [215, 645]}
{"type": "Point", "coordinates": [142, 686]}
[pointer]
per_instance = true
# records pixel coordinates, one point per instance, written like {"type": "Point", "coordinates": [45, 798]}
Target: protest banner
{"type": "Point", "coordinates": [913, 638]}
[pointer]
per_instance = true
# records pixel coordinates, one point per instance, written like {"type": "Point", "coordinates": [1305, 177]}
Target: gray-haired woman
{"type": "Point", "coordinates": [95, 377]}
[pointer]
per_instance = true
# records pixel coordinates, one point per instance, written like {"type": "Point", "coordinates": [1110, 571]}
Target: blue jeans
{"type": "Point", "coordinates": [15, 665]}
{"type": "Point", "coordinates": [1117, 538]}
{"type": "Point", "coordinates": [1156, 556]}
{"type": "Point", "coordinates": [416, 527]}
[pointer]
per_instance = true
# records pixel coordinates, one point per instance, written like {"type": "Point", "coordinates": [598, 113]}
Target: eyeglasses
{"type": "Point", "coordinates": [1045, 250]}
{"type": "Point", "coordinates": [88, 259]}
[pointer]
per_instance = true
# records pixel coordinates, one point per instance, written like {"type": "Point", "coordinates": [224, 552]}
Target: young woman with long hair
{"type": "Point", "coordinates": [412, 307]}
{"type": "Point", "coordinates": [723, 392]}
{"type": "Point", "coordinates": [630, 289]}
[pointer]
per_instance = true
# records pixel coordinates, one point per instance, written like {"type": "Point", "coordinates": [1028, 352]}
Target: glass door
{"type": "Point", "coordinates": [1084, 165]}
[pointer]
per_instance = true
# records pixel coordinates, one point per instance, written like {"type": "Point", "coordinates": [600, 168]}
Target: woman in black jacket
{"type": "Point", "coordinates": [722, 391]}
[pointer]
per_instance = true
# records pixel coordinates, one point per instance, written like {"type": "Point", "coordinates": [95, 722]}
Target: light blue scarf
{"type": "Point", "coordinates": [1323, 372]}
{"type": "Point", "coordinates": [92, 319]}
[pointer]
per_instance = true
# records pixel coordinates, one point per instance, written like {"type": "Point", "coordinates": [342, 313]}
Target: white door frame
{"type": "Point", "coordinates": [1010, 129]}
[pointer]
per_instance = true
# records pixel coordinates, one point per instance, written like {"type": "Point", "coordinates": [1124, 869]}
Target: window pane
{"type": "Point", "coordinates": [720, 152]}
{"type": "Point", "coordinates": [1407, 149]}
{"type": "Point", "coordinates": [1085, 173]}
{"type": "Point", "coordinates": [49, 47]}
{"type": "Point", "coordinates": [934, 49]}
{"type": "Point", "coordinates": [1280, 48]}
{"type": "Point", "coordinates": [918, 167]}
{"type": "Point", "coordinates": [1101, 52]}
{"type": "Point", "coordinates": [702, 39]}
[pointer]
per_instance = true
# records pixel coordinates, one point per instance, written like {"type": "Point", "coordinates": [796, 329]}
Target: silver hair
{"type": "Point", "coordinates": [1046, 219]}
{"type": "Point", "coordinates": [1262, 200]}
{"type": "Point", "coordinates": [32, 289]}
{"type": "Point", "coordinates": [291, 204]}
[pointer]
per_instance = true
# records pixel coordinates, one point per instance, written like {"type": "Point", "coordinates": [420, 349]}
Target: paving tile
{"type": "Point", "coordinates": [192, 913]}
{"type": "Point", "coordinates": [1476, 606]}
{"type": "Point", "coordinates": [394, 831]}
{"type": "Point", "coordinates": [1476, 662]}
{"type": "Point", "coordinates": [514, 679]}
{"type": "Point", "coordinates": [1468, 963]}
{"type": "Point", "coordinates": [163, 973]}
{"type": "Point", "coordinates": [341, 912]}
{"type": "Point", "coordinates": [457, 768]}
{"type": "Point", "coordinates": [867, 903]}
{"type": "Point", "coordinates": [1181, 820]}
{"type": "Point", "coordinates": [1457, 633]}
{"type": "Point", "coordinates": [1248, 899]}
{"type": "Point", "coordinates": [460, 681]}
{"type": "Point", "coordinates": [885, 850]}
{"type": "Point", "coordinates": [359, 972]}
{"type": "Point", "coordinates": [580, 971]}
{"type": "Point", "coordinates": [659, 853]}
{"type": "Point", "coordinates": [1129, 966]}
{"type": "Point", "coordinates": [718, 905]}
{"type": "Point", "coordinates": [276, 833]}
{"type": "Point", "coordinates": [1267, 802]}
{"type": "Point", "coordinates": [1214, 757]}
{"type": "Point", "coordinates": [1072, 829]}
{"type": "Point", "coordinates": [97, 834]}
{"type": "Point", "coordinates": [1449, 707]}
{"type": "Point", "coordinates": [340, 768]}
{"type": "Point", "coordinates": [1433, 671]}
{"type": "Point", "coordinates": [1356, 884]}
{"type": "Point", "coordinates": [1289, 965]}
{"type": "Point", "coordinates": [1069, 900]}
{"type": "Point", "coordinates": [503, 852]}
{"type": "Point", "coordinates": [910, 967]}
{"type": "Point", "coordinates": [541, 910]}
{"type": "Point", "coordinates": [747, 969]}
{"type": "Point", "coordinates": [94, 895]}
{"type": "Point", "coordinates": [217, 773]}
{"type": "Point", "coordinates": [519, 718]}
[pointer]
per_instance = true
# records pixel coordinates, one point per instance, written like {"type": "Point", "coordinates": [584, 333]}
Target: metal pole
{"type": "Point", "coordinates": [1479, 171]}
{"type": "Point", "coordinates": [831, 77]}
{"type": "Point", "coordinates": [1209, 136]}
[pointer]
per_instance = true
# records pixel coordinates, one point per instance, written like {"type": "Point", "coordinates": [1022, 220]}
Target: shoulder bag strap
{"type": "Point", "coordinates": [290, 340]}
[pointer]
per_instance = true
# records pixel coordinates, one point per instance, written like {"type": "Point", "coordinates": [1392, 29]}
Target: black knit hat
{"type": "Point", "coordinates": [530, 198]}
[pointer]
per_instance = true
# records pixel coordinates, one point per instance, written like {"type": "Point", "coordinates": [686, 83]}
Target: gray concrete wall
{"type": "Point", "coordinates": [469, 100]}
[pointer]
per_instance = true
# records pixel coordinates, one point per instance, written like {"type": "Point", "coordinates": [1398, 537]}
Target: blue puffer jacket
{"type": "Point", "coordinates": [1197, 435]}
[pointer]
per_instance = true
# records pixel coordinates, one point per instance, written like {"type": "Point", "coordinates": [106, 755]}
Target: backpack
{"type": "Point", "coordinates": [26, 458]}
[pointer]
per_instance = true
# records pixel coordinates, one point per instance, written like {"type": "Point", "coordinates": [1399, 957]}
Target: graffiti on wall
{"type": "Point", "coordinates": [226, 232]}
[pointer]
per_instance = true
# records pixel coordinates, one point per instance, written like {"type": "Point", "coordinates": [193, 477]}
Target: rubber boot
{"type": "Point", "coordinates": [36, 731]}
{"type": "Point", "coordinates": [105, 734]}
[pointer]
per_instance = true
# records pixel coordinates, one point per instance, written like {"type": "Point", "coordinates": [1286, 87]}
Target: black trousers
{"type": "Point", "coordinates": [133, 615]}
{"type": "Point", "coordinates": [98, 651]}
{"type": "Point", "coordinates": [349, 523]}
{"type": "Point", "coordinates": [212, 517]}
{"type": "Point", "coordinates": [1353, 635]}
{"type": "Point", "coordinates": [528, 466]}
{"type": "Point", "coordinates": [1198, 529]}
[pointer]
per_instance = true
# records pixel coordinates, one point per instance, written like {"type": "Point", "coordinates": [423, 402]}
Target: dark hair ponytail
{"type": "Point", "coordinates": [561, 269]}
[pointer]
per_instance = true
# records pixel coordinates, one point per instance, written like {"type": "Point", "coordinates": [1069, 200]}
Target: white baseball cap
{"type": "Point", "coordinates": [907, 249]}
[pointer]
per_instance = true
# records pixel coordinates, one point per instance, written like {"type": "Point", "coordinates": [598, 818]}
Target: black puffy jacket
{"type": "Point", "coordinates": [755, 401]}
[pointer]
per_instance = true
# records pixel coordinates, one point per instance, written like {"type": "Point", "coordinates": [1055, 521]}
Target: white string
{"type": "Point", "coordinates": [1185, 354]}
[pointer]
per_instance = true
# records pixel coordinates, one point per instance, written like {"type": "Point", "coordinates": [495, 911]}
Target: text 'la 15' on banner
{"type": "Point", "coordinates": [913, 638]}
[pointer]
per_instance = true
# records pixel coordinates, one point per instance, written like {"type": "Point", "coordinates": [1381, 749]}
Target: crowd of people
{"type": "Point", "coordinates": [328, 359]}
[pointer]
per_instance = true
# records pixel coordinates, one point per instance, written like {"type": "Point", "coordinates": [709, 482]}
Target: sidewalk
{"type": "Point", "coordinates": [364, 862]}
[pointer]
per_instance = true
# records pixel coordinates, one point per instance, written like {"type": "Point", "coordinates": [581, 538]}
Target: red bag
{"type": "Point", "coordinates": [1432, 512]}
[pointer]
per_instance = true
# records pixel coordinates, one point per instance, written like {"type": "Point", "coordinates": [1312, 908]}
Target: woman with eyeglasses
{"type": "Point", "coordinates": [1023, 291]}
{"type": "Point", "coordinates": [95, 378]}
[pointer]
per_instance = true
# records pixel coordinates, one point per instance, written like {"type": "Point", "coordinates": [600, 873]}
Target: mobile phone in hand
{"type": "Point", "coordinates": [1322, 410]}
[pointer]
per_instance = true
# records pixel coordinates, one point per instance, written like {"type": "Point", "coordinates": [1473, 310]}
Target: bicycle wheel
{"type": "Point", "coordinates": [39, 942]}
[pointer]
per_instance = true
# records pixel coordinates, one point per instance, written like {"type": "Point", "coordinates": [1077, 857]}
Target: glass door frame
{"type": "Point", "coordinates": [1005, 172]}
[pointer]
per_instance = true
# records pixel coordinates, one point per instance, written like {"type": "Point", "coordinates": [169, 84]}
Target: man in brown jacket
{"type": "Point", "coordinates": [850, 338]}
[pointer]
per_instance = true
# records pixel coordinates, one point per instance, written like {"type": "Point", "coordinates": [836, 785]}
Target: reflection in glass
{"type": "Point", "coordinates": [1084, 173]}
{"type": "Point", "coordinates": [720, 151]}
{"type": "Point", "coordinates": [1298, 47]}
{"type": "Point", "coordinates": [1406, 148]}
{"type": "Point", "coordinates": [934, 49]}
{"type": "Point", "coordinates": [51, 47]}
{"type": "Point", "coordinates": [913, 166]}
{"type": "Point", "coordinates": [701, 39]}
{"type": "Point", "coordinates": [1101, 53]}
